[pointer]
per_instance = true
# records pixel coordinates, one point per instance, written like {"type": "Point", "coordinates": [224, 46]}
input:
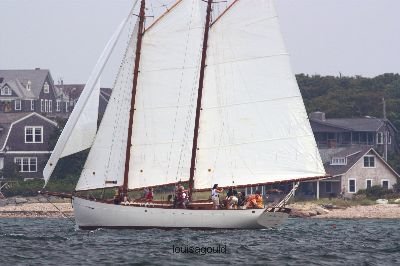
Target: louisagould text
{"type": "Point", "coordinates": [199, 250]}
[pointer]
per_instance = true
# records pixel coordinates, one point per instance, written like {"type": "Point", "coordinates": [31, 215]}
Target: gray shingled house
{"type": "Point", "coordinates": [24, 144]}
{"type": "Point", "coordinates": [29, 91]}
{"type": "Point", "coordinates": [347, 132]}
{"type": "Point", "coordinates": [351, 169]}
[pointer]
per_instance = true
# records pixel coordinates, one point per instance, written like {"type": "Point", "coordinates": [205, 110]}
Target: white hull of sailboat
{"type": "Point", "coordinates": [91, 214]}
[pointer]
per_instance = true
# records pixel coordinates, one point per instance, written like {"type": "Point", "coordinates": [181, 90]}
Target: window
{"type": "Point", "coordinates": [379, 138]}
{"type": "Point", "coordinates": [389, 138]}
{"type": "Point", "coordinates": [368, 183]}
{"type": "Point", "coordinates": [5, 91]}
{"type": "Point", "coordinates": [33, 134]}
{"type": "Point", "coordinates": [32, 105]}
{"type": "Point", "coordinates": [369, 161]}
{"type": "Point", "coordinates": [26, 164]}
{"type": "Point", "coordinates": [29, 85]}
{"type": "Point", "coordinates": [66, 107]}
{"type": "Point", "coordinates": [41, 105]}
{"type": "Point", "coordinates": [46, 106]}
{"type": "Point", "coordinates": [17, 105]}
{"type": "Point", "coordinates": [58, 105]}
{"type": "Point", "coordinates": [352, 186]}
{"type": "Point", "coordinates": [1, 163]}
{"type": "Point", "coordinates": [46, 88]}
{"type": "Point", "coordinates": [385, 184]}
{"type": "Point", "coordinates": [339, 161]}
{"type": "Point", "coordinates": [328, 187]}
{"type": "Point", "coordinates": [50, 106]}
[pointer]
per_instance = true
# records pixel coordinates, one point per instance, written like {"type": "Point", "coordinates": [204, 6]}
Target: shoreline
{"type": "Point", "coordinates": [38, 207]}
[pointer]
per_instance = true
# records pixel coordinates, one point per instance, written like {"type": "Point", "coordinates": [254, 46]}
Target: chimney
{"type": "Point", "coordinates": [318, 116]}
{"type": "Point", "coordinates": [38, 68]}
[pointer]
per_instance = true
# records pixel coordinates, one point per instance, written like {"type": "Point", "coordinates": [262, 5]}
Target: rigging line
{"type": "Point", "coordinates": [180, 85]}
{"type": "Point", "coordinates": [163, 15]}
{"type": "Point", "coordinates": [248, 59]}
{"type": "Point", "coordinates": [62, 213]}
{"type": "Point", "coordinates": [134, 85]}
{"type": "Point", "coordinates": [223, 13]}
{"type": "Point", "coordinates": [256, 141]}
{"type": "Point", "coordinates": [125, 64]}
{"type": "Point", "coordinates": [252, 102]}
{"type": "Point", "coordinates": [199, 97]}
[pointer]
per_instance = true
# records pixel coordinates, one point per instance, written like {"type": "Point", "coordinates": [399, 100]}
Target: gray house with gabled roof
{"type": "Point", "coordinates": [28, 91]}
{"type": "Point", "coordinates": [24, 144]}
{"type": "Point", "coordinates": [347, 132]}
{"type": "Point", "coordinates": [351, 169]}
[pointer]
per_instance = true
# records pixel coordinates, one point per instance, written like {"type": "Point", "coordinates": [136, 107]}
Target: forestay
{"type": "Point", "coordinates": [253, 124]}
{"type": "Point", "coordinates": [163, 121]}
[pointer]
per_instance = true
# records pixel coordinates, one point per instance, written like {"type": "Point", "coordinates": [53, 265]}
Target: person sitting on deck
{"type": "Point", "coordinates": [180, 197]}
{"type": "Point", "coordinates": [241, 199]}
{"type": "Point", "coordinates": [255, 201]}
{"type": "Point", "coordinates": [149, 195]}
{"type": "Point", "coordinates": [215, 196]}
{"type": "Point", "coordinates": [231, 199]}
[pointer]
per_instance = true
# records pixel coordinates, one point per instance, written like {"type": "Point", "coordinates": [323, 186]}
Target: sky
{"type": "Point", "coordinates": [327, 37]}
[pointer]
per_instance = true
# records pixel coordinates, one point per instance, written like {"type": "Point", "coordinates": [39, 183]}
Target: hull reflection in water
{"type": "Point", "coordinates": [91, 214]}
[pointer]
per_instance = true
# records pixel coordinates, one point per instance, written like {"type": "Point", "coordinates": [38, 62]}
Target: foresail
{"type": "Point", "coordinates": [83, 115]}
{"type": "Point", "coordinates": [85, 128]}
{"type": "Point", "coordinates": [165, 97]}
{"type": "Point", "coordinates": [253, 124]}
{"type": "Point", "coordinates": [104, 166]}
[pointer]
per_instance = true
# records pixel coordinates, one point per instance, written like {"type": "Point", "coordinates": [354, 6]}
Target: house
{"type": "Point", "coordinates": [24, 91]}
{"type": "Point", "coordinates": [24, 144]}
{"type": "Point", "coordinates": [331, 133]}
{"type": "Point", "coordinates": [351, 169]}
{"type": "Point", "coordinates": [68, 95]}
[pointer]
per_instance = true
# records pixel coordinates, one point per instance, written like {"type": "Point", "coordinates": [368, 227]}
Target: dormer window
{"type": "Point", "coordinates": [339, 161]}
{"type": "Point", "coordinates": [369, 161]}
{"type": "Point", "coordinates": [46, 88]}
{"type": "Point", "coordinates": [6, 90]}
{"type": "Point", "coordinates": [29, 85]}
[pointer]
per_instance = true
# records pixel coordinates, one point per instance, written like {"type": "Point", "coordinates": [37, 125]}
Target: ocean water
{"type": "Point", "coordinates": [297, 242]}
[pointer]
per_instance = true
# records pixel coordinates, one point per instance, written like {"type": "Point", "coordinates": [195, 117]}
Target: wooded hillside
{"type": "Point", "coordinates": [341, 97]}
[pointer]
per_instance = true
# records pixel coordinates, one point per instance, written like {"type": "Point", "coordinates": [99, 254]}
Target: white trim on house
{"type": "Point", "coordinates": [31, 162]}
{"type": "Point", "coordinates": [32, 105]}
{"type": "Point", "coordinates": [355, 185]}
{"type": "Point", "coordinates": [378, 156]}
{"type": "Point", "coordinates": [379, 138]}
{"type": "Point", "coordinates": [58, 102]}
{"type": "Point", "coordinates": [366, 183]}
{"type": "Point", "coordinates": [26, 152]}
{"type": "Point", "coordinates": [17, 105]}
{"type": "Point", "coordinates": [34, 129]}
{"type": "Point", "coordinates": [21, 119]}
{"type": "Point", "coordinates": [5, 89]}
{"type": "Point", "coordinates": [369, 161]}
{"type": "Point", "coordinates": [383, 180]}
{"type": "Point", "coordinates": [1, 163]}
{"type": "Point", "coordinates": [46, 87]}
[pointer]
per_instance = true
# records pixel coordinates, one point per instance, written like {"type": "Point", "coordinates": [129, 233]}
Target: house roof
{"type": "Point", "coordinates": [354, 124]}
{"type": "Point", "coordinates": [7, 120]}
{"type": "Point", "coordinates": [19, 79]}
{"type": "Point", "coordinates": [353, 155]}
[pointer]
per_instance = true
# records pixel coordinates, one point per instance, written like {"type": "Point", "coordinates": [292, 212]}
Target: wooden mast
{"type": "Point", "coordinates": [135, 80]}
{"type": "Point", "coordinates": [199, 97]}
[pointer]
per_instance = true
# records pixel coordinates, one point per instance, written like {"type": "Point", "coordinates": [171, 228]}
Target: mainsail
{"type": "Point", "coordinates": [165, 97]}
{"type": "Point", "coordinates": [253, 124]}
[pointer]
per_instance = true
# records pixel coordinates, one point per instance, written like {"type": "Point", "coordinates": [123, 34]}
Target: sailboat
{"type": "Point", "coordinates": [199, 98]}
